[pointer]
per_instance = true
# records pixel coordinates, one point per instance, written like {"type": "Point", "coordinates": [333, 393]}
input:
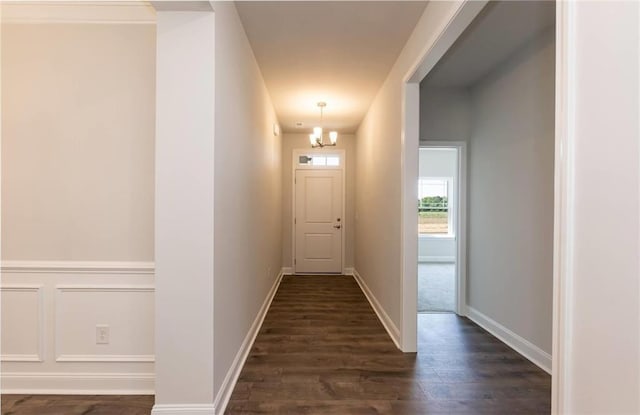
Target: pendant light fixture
{"type": "Point", "coordinates": [316, 138]}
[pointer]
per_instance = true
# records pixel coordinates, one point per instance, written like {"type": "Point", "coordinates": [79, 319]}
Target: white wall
{"type": "Point", "coordinates": [78, 131]}
{"type": "Point", "coordinates": [378, 175]}
{"type": "Point", "coordinates": [248, 195]}
{"type": "Point", "coordinates": [511, 167]}
{"type": "Point", "coordinates": [600, 367]}
{"type": "Point", "coordinates": [436, 248]}
{"type": "Point", "coordinates": [438, 163]}
{"type": "Point", "coordinates": [292, 142]}
{"type": "Point", "coordinates": [185, 209]}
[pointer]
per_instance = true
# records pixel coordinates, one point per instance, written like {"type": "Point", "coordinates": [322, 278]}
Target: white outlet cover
{"type": "Point", "coordinates": [102, 334]}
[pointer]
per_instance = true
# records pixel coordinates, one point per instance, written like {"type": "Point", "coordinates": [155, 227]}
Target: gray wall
{"type": "Point", "coordinates": [511, 165]}
{"type": "Point", "coordinates": [445, 114]}
{"type": "Point", "coordinates": [507, 119]}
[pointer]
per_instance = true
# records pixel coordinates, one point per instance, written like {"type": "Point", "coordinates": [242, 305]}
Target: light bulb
{"type": "Point", "coordinates": [312, 139]}
{"type": "Point", "coordinates": [333, 136]}
{"type": "Point", "coordinates": [317, 131]}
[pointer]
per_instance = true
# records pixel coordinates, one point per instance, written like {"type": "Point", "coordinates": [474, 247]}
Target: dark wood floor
{"type": "Point", "coordinates": [76, 405]}
{"type": "Point", "coordinates": [322, 350]}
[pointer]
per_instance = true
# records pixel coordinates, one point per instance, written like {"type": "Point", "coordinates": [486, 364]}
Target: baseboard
{"type": "Point", "coordinates": [287, 271]}
{"type": "Point", "coordinates": [349, 271]}
{"type": "Point", "coordinates": [521, 345]}
{"type": "Point", "coordinates": [185, 409]}
{"type": "Point", "coordinates": [437, 259]}
{"type": "Point", "coordinates": [229, 383]}
{"type": "Point", "coordinates": [38, 383]}
{"type": "Point", "coordinates": [384, 318]}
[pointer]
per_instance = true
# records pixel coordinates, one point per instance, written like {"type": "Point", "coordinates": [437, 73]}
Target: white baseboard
{"type": "Point", "coordinates": [349, 271]}
{"type": "Point", "coordinates": [432, 258]}
{"type": "Point", "coordinates": [37, 383]}
{"type": "Point", "coordinates": [185, 409]}
{"type": "Point", "coordinates": [287, 271]}
{"type": "Point", "coordinates": [384, 318]}
{"type": "Point", "coordinates": [521, 345]}
{"type": "Point", "coordinates": [229, 383]}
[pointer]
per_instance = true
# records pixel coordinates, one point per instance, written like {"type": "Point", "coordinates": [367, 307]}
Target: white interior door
{"type": "Point", "coordinates": [318, 221]}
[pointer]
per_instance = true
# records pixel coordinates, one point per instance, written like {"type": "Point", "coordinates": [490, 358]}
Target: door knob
{"type": "Point", "coordinates": [337, 226]}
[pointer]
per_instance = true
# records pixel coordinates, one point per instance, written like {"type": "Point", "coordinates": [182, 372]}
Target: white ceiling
{"type": "Point", "coordinates": [334, 51]}
{"type": "Point", "coordinates": [498, 31]}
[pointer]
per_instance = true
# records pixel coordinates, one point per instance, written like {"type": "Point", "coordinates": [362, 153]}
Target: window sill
{"type": "Point", "coordinates": [436, 236]}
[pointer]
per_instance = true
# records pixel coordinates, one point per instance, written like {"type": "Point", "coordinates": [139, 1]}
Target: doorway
{"type": "Point", "coordinates": [318, 206]}
{"type": "Point", "coordinates": [441, 244]}
{"type": "Point", "coordinates": [439, 273]}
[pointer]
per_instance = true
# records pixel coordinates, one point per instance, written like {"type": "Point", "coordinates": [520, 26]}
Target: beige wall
{"type": "Point", "coordinates": [78, 126]}
{"type": "Point", "coordinates": [292, 142]}
{"type": "Point", "coordinates": [378, 167]}
{"type": "Point", "coordinates": [78, 123]}
{"type": "Point", "coordinates": [248, 195]}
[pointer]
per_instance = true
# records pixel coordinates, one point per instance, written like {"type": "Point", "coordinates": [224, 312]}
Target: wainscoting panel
{"type": "Point", "coordinates": [22, 337]}
{"type": "Point", "coordinates": [51, 313]}
{"type": "Point", "coordinates": [80, 309]}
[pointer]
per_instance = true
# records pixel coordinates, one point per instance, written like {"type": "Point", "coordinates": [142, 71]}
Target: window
{"type": "Point", "coordinates": [433, 206]}
{"type": "Point", "coordinates": [319, 160]}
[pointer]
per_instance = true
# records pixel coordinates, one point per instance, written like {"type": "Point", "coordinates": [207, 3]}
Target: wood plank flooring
{"type": "Point", "coordinates": [76, 405]}
{"type": "Point", "coordinates": [322, 350]}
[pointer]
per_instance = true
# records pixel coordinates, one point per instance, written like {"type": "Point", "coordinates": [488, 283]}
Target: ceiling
{"type": "Point", "coordinates": [339, 52]}
{"type": "Point", "coordinates": [496, 33]}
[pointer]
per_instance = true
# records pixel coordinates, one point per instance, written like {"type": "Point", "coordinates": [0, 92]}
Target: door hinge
{"type": "Point", "coordinates": [295, 221]}
{"type": "Point", "coordinates": [295, 261]}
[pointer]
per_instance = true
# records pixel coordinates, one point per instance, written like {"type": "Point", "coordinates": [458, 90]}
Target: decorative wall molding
{"type": "Point", "coordinates": [14, 357]}
{"type": "Point", "coordinates": [79, 267]}
{"type": "Point", "coordinates": [384, 318]}
{"type": "Point", "coordinates": [92, 288]}
{"type": "Point", "coordinates": [18, 357]}
{"type": "Point", "coordinates": [518, 343]}
{"type": "Point", "coordinates": [348, 271]}
{"type": "Point", "coordinates": [287, 271]}
{"type": "Point", "coordinates": [50, 369]}
{"type": "Point", "coordinates": [78, 383]}
{"type": "Point", "coordinates": [184, 409]}
{"type": "Point", "coordinates": [78, 12]}
{"type": "Point", "coordinates": [106, 358]}
{"type": "Point", "coordinates": [229, 382]}
{"type": "Point", "coordinates": [98, 358]}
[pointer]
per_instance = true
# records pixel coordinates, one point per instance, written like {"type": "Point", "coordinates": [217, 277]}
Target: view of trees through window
{"type": "Point", "coordinates": [433, 206]}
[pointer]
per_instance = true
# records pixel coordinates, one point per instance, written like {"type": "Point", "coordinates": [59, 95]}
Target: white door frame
{"type": "Point", "coordinates": [459, 220]}
{"type": "Point", "coordinates": [563, 184]}
{"type": "Point", "coordinates": [294, 166]}
{"type": "Point", "coordinates": [449, 32]}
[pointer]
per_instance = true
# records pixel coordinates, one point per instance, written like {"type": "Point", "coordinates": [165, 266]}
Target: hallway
{"type": "Point", "coordinates": [322, 349]}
